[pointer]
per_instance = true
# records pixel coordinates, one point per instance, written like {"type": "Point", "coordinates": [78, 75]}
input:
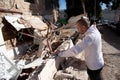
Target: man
{"type": "Point", "coordinates": [92, 46]}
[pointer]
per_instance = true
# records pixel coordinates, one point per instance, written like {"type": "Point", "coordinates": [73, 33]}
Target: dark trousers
{"type": "Point", "coordinates": [94, 74]}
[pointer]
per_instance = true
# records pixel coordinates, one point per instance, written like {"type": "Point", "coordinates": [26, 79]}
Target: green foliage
{"type": "Point", "coordinates": [116, 4]}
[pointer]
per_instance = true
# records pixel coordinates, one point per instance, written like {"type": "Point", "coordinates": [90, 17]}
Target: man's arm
{"type": "Point", "coordinates": [87, 41]}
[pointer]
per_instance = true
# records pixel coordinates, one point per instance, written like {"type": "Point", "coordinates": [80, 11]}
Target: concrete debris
{"type": "Point", "coordinates": [53, 64]}
{"type": "Point", "coordinates": [8, 70]}
{"type": "Point", "coordinates": [21, 22]}
{"type": "Point", "coordinates": [60, 75]}
{"type": "Point", "coordinates": [65, 45]}
{"type": "Point", "coordinates": [76, 67]}
{"type": "Point", "coordinates": [74, 19]}
{"type": "Point", "coordinates": [13, 21]}
{"type": "Point", "coordinates": [33, 59]}
{"type": "Point", "coordinates": [35, 22]}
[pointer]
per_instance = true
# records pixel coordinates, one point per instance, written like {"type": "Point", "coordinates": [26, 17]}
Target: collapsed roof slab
{"type": "Point", "coordinates": [34, 22]}
{"type": "Point", "coordinates": [13, 21]}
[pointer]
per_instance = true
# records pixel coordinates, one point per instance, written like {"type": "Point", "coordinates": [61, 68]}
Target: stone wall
{"type": "Point", "coordinates": [24, 6]}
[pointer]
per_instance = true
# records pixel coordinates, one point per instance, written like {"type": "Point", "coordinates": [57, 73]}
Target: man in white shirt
{"type": "Point", "coordinates": [92, 46]}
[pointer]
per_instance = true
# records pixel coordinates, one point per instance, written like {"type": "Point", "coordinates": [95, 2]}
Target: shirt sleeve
{"type": "Point", "coordinates": [87, 41]}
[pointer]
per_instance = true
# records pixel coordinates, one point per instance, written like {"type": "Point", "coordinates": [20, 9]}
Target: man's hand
{"type": "Point", "coordinates": [56, 52]}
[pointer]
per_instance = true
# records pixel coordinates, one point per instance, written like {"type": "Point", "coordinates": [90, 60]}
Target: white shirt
{"type": "Point", "coordinates": [92, 46]}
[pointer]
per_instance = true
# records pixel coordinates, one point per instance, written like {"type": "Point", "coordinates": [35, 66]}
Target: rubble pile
{"type": "Point", "coordinates": [27, 43]}
{"type": "Point", "coordinates": [34, 58]}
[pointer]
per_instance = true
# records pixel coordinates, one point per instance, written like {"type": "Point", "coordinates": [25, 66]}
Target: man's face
{"type": "Point", "coordinates": [81, 28]}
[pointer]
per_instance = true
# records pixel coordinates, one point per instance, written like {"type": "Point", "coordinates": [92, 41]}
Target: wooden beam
{"type": "Point", "coordinates": [9, 11]}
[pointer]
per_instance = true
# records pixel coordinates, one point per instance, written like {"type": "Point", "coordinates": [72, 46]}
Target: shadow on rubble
{"type": "Point", "coordinates": [13, 40]}
{"type": "Point", "coordinates": [111, 37]}
{"type": "Point", "coordinates": [68, 69]}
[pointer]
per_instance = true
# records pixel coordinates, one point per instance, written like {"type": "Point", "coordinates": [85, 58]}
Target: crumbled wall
{"type": "Point", "coordinates": [25, 7]}
{"type": "Point", "coordinates": [13, 5]}
{"type": "Point", "coordinates": [6, 3]}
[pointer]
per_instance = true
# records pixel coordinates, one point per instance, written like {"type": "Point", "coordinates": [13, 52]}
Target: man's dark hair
{"type": "Point", "coordinates": [84, 21]}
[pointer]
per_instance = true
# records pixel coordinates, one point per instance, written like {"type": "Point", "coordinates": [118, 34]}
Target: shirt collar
{"type": "Point", "coordinates": [90, 29]}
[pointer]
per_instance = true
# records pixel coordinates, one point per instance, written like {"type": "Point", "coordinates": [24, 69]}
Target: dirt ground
{"type": "Point", "coordinates": [111, 52]}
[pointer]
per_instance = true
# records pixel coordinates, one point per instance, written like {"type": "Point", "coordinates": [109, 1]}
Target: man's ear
{"type": "Point", "coordinates": [94, 23]}
{"type": "Point", "coordinates": [85, 28]}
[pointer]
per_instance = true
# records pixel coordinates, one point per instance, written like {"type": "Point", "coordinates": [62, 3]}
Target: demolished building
{"type": "Point", "coordinates": [27, 39]}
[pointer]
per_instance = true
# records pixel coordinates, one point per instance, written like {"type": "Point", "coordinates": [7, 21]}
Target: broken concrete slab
{"type": "Point", "coordinates": [74, 19]}
{"type": "Point", "coordinates": [13, 21]}
{"type": "Point", "coordinates": [35, 63]}
{"type": "Point", "coordinates": [67, 32]}
{"type": "Point", "coordinates": [60, 75]}
{"type": "Point", "coordinates": [10, 70]}
{"type": "Point", "coordinates": [35, 22]}
{"type": "Point", "coordinates": [50, 69]}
